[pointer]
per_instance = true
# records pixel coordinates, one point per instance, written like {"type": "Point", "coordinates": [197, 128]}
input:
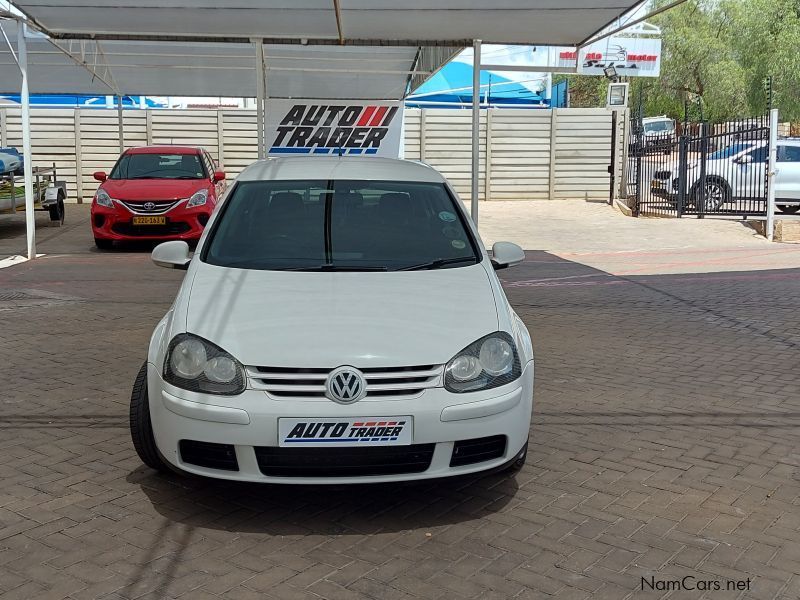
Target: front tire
{"type": "Point", "coordinates": [717, 193]}
{"type": "Point", "coordinates": [103, 244]}
{"type": "Point", "coordinates": [141, 427]}
{"type": "Point", "coordinates": [788, 209]}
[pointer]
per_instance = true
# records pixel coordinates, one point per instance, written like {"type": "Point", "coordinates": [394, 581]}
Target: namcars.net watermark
{"type": "Point", "coordinates": [691, 583]}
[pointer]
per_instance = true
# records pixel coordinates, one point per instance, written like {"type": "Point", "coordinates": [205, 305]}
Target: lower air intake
{"type": "Point", "coordinates": [208, 455]}
{"type": "Point", "coordinates": [344, 462]}
{"type": "Point", "coordinates": [470, 452]}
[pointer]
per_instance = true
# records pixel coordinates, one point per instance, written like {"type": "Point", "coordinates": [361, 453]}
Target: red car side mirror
{"type": "Point", "coordinates": [219, 176]}
{"type": "Point", "coordinates": [100, 176]}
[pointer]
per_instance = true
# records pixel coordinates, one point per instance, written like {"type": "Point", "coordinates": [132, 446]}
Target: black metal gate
{"type": "Point", "coordinates": [702, 169]}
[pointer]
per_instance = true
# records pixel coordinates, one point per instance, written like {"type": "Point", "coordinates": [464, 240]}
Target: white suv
{"type": "Point", "coordinates": [340, 322]}
{"type": "Point", "coordinates": [738, 172]}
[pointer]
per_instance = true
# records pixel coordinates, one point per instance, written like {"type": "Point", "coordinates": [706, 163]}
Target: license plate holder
{"type": "Point", "coordinates": [316, 432]}
{"type": "Point", "coordinates": [149, 220]}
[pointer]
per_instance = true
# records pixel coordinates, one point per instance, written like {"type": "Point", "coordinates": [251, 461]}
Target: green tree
{"type": "Point", "coordinates": [585, 91]}
{"type": "Point", "coordinates": [766, 42]}
{"type": "Point", "coordinates": [699, 61]}
{"type": "Point", "coordinates": [716, 55]}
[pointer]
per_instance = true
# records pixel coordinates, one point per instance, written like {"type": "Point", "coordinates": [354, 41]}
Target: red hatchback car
{"type": "Point", "coordinates": [156, 193]}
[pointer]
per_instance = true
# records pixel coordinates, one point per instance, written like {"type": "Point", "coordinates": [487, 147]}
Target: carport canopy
{"type": "Point", "coordinates": [358, 49]}
{"type": "Point", "coordinates": [354, 49]}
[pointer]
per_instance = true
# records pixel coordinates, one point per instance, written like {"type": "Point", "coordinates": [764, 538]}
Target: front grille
{"type": "Point", "coordinates": [382, 382]}
{"type": "Point", "coordinates": [344, 462]}
{"type": "Point", "coordinates": [126, 228]}
{"type": "Point", "coordinates": [469, 452]}
{"type": "Point", "coordinates": [209, 455]}
{"type": "Point", "coordinates": [159, 206]}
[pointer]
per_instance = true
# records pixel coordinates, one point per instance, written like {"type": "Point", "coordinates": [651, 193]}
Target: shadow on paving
{"type": "Point", "coordinates": [664, 442]}
{"type": "Point", "coordinates": [323, 509]}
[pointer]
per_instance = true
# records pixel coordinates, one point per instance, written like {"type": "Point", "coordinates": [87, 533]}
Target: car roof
{"type": "Point", "coordinates": [164, 149]}
{"type": "Point", "coordinates": [345, 167]}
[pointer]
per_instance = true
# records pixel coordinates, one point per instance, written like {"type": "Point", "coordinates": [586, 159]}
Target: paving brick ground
{"type": "Point", "coordinates": [664, 445]}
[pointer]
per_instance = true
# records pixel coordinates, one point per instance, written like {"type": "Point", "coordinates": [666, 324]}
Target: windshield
{"type": "Point", "coordinates": [659, 126]}
{"type": "Point", "coordinates": [158, 166]}
{"type": "Point", "coordinates": [729, 151]}
{"type": "Point", "coordinates": [340, 225]}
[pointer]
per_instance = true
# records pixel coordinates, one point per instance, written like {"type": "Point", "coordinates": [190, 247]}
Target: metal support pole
{"type": "Point", "coordinates": [30, 219]}
{"type": "Point", "coordinates": [683, 172]}
{"type": "Point", "coordinates": [260, 93]}
{"type": "Point", "coordinates": [476, 115]}
{"type": "Point", "coordinates": [264, 97]}
{"type": "Point", "coordinates": [773, 157]}
{"type": "Point", "coordinates": [700, 198]}
{"type": "Point", "coordinates": [120, 125]}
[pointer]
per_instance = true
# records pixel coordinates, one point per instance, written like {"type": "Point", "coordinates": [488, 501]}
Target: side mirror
{"type": "Point", "coordinates": [100, 176]}
{"type": "Point", "coordinates": [744, 160]}
{"type": "Point", "coordinates": [506, 254]}
{"type": "Point", "coordinates": [172, 255]}
{"type": "Point", "coordinates": [219, 176]}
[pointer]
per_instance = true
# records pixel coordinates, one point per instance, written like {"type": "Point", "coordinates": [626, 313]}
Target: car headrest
{"type": "Point", "coordinates": [148, 163]}
{"type": "Point", "coordinates": [286, 205]}
{"type": "Point", "coordinates": [394, 207]}
{"type": "Point", "coordinates": [189, 163]}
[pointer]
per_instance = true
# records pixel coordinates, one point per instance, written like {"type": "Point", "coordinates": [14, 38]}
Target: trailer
{"type": "Point", "coordinates": [49, 193]}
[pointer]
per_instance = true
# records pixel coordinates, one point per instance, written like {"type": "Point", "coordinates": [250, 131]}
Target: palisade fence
{"type": "Point", "coordinates": [525, 154]}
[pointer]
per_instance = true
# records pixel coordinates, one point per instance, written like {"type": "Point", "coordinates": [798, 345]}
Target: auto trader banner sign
{"type": "Point", "coordinates": [335, 127]}
{"type": "Point", "coordinates": [637, 57]}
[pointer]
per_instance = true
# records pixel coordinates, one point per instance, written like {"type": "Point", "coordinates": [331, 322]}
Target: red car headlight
{"type": "Point", "coordinates": [197, 199]}
{"type": "Point", "coordinates": [103, 199]}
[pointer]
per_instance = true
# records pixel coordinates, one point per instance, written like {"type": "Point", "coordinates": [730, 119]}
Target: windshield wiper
{"type": "Point", "coordinates": [439, 263]}
{"type": "Point", "coordinates": [326, 267]}
{"type": "Point", "coordinates": [330, 267]}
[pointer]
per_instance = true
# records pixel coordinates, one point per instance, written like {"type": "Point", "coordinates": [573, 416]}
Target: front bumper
{"type": "Point", "coordinates": [250, 421]}
{"type": "Point", "coordinates": [117, 224]}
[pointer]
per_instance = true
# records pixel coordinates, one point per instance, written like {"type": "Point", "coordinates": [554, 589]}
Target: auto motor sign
{"type": "Point", "coordinates": [323, 128]}
{"type": "Point", "coordinates": [637, 57]}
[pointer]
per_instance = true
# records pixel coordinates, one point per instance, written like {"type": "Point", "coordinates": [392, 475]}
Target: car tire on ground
{"type": "Point", "coordinates": [103, 244]}
{"type": "Point", "coordinates": [788, 209]}
{"type": "Point", "coordinates": [141, 427]}
{"type": "Point", "coordinates": [57, 212]}
{"type": "Point", "coordinates": [717, 193]}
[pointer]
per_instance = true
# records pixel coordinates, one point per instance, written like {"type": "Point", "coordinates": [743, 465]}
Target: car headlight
{"type": "Point", "coordinates": [103, 199]}
{"type": "Point", "coordinates": [488, 363]}
{"type": "Point", "coordinates": [195, 364]}
{"type": "Point", "coordinates": [197, 199]}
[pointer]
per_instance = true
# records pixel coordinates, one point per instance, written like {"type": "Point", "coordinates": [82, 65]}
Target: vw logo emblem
{"type": "Point", "coordinates": [149, 205]}
{"type": "Point", "coordinates": [345, 385]}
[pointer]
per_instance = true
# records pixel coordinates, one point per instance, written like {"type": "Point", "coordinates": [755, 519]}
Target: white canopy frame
{"type": "Point", "coordinates": [340, 48]}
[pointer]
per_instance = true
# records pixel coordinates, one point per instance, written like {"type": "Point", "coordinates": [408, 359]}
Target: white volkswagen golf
{"type": "Point", "coordinates": [339, 322]}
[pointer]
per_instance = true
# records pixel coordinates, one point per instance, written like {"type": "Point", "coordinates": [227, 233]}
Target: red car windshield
{"type": "Point", "coordinates": [158, 166]}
